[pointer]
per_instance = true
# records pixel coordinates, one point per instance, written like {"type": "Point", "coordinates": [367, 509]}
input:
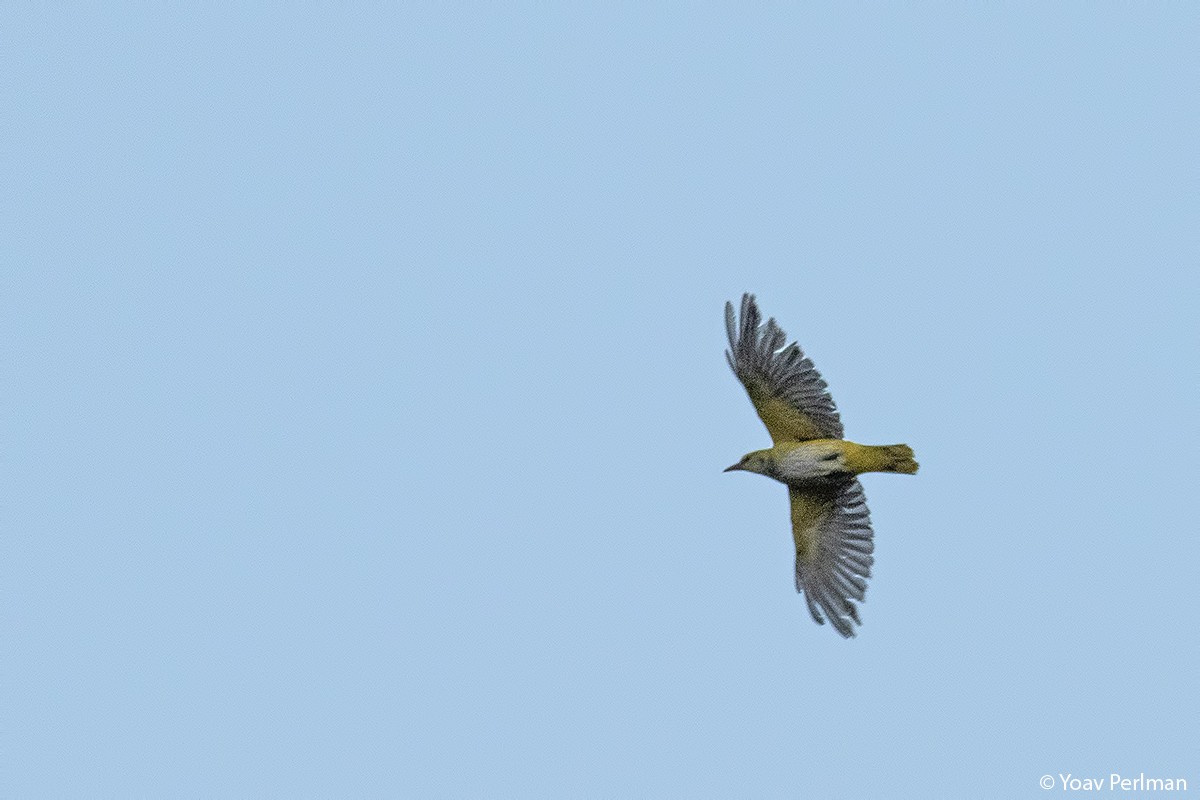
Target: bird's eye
{"type": "Point", "coordinates": [829, 457]}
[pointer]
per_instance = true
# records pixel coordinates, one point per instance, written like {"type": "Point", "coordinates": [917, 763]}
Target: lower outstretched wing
{"type": "Point", "coordinates": [834, 543]}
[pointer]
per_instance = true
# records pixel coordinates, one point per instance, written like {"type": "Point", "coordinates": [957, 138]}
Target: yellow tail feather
{"type": "Point", "coordinates": [897, 458]}
{"type": "Point", "coordinates": [879, 458]}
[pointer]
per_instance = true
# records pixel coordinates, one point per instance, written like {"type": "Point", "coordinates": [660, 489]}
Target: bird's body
{"type": "Point", "coordinates": [830, 523]}
{"type": "Point", "coordinates": [823, 463]}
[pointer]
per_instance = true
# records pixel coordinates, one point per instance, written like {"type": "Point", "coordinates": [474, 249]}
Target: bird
{"type": "Point", "coordinates": [831, 525]}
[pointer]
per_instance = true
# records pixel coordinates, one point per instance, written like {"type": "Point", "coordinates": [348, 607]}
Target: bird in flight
{"type": "Point", "coordinates": [830, 521]}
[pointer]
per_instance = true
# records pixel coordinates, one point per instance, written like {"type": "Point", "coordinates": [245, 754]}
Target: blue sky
{"type": "Point", "coordinates": [365, 406]}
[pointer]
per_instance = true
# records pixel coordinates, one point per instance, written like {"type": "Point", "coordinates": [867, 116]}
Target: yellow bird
{"type": "Point", "coordinates": [830, 522]}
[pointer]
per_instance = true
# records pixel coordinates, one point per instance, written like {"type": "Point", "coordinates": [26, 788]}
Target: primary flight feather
{"type": "Point", "coordinates": [830, 523]}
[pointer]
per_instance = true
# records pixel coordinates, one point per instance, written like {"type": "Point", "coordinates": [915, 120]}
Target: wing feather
{"type": "Point", "coordinates": [833, 552]}
{"type": "Point", "coordinates": [788, 393]}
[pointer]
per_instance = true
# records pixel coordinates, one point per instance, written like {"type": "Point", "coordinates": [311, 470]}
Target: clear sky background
{"type": "Point", "coordinates": [364, 404]}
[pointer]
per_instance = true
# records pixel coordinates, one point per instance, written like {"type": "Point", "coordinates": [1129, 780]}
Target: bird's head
{"type": "Point", "coordinates": [760, 461]}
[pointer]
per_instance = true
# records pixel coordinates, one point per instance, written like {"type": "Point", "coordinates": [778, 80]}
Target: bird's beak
{"type": "Point", "coordinates": [731, 469]}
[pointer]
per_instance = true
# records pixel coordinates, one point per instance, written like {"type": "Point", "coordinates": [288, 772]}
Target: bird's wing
{"type": "Point", "coordinates": [833, 552]}
{"type": "Point", "coordinates": [788, 393]}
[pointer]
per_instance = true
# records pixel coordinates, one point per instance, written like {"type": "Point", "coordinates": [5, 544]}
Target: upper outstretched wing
{"type": "Point", "coordinates": [833, 552]}
{"type": "Point", "coordinates": [787, 391]}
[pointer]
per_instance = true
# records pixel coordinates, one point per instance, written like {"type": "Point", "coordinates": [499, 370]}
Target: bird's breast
{"type": "Point", "coordinates": [819, 463]}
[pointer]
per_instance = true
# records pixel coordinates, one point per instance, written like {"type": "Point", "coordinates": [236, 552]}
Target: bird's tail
{"type": "Point", "coordinates": [894, 458]}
